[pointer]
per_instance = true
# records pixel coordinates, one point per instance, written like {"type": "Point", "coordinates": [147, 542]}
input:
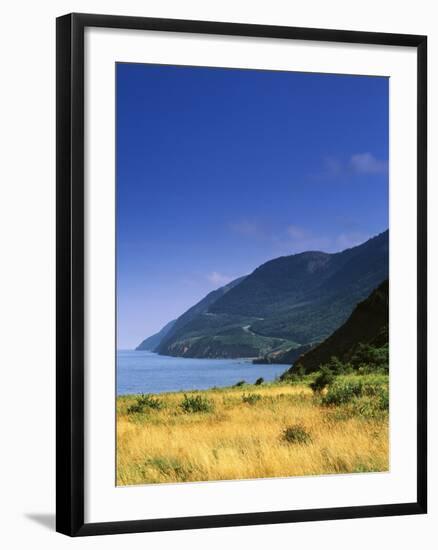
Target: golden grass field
{"type": "Point", "coordinates": [241, 440]}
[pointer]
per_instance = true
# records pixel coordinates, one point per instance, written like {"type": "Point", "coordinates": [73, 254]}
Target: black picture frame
{"type": "Point", "coordinates": [70, 273]}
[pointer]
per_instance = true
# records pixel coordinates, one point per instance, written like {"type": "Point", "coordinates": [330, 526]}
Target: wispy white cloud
{"type": "Point", "coordinates": [218, 279]}
{"type": "Point", "coordinates": [366, 163]}
{"type": "Point", "coordinates": [357, 164]}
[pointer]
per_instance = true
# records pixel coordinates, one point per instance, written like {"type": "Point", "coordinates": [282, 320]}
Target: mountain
{"type": "Point", "coordinates": [200, 308]}
{"type": "Point", "coordinates": [368, 324]}
{"type": "Point", "coordinates": [285, 303]}
{"type": "Point", "coordinates": [305, 297]}
{"type": "Point", "coordinates": [151, 343]}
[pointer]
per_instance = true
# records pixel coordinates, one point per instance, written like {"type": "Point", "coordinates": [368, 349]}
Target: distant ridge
{"type": "Point", "coordinates": [286, 303]}
{"type": "Point", "coordinates": [151, 343]}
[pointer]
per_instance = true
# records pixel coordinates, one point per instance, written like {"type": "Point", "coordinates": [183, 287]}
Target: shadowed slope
{"type": "Point", "coordinates": [368, 324]}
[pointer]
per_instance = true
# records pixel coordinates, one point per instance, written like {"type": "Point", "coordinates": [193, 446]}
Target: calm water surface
{"type": "Point", "coordinates": [146, 372]}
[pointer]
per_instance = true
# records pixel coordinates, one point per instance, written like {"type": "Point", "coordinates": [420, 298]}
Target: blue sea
{"type": "Point", "coordinates": [147, 372]}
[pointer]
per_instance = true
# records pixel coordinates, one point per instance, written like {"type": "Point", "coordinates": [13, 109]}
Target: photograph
{"type": "Point", "coordinates": [252, 262]}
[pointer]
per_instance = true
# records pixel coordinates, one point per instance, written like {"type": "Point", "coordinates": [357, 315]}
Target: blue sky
{"type": "Point", "coordinates": [220, 170]}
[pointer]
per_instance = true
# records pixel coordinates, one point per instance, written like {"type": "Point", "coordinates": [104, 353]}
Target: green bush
{"type": "Point", "coordinates": [289, 377]}
{"type": "Point", "coordinates": [379, 393]}
{"type": "Point", "coordinates": [324, 377]}
{"type": "Point", "coordinates": [338, 367]}
{"type": "Point", "coordinates": [299, 370]}
{"type": "Point", "coordinates": [240, 383]}
{"type": "Point", "coordinates": [370, 358]}
{"type": "Point", "coordinates": [259, 381]}
{"type": "Point", "coordinates": [384, 398]}
{"type": "Point", "coordinates": [295, 374]}
{"type": "Point", "coordinates": [296, 434]}
{"type": "Point", "coordinates": [367, 407]}
{"type": "Point", "coordinates": [366, 392]}
{"type": "Point", "coordinates": [343, 391]}
{"type": "Point", "coordinates": [145, 401]}
{"type": "Point", "coordinates": [251, 398]}
{"type": "Point", "coordinates": [372, 369]}
{"type": "Point", "coordinates": [196, 403]}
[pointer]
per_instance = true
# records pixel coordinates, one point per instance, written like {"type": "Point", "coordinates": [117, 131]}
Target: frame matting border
{"type": "Point", "coordinates": [70, 273]}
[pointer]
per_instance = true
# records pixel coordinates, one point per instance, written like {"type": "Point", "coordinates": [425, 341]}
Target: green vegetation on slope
{"type": "Point", "coordinates": [226, 343]}
{"type": "Point", "coordinates": [303, 296]}
{"type": "Point", "coordinates": [151, 343]}
{"type": "Point", "coordinates": [361, 340]}
{"type": "Point", "coordinates": [283, 356]}
{"type": "Point", "coordinates": [286, 303]}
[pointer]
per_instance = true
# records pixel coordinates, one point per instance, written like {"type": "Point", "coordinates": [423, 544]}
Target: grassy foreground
{"type": "Point", "coordinates": [271, 430]}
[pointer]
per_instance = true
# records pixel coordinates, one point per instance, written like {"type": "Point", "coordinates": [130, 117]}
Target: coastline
{"type": "Point", "coordinates": [148, 372]}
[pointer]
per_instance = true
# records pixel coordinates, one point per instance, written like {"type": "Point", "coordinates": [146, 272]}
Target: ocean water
{"type": "Point", "coordinates": [147, 372]}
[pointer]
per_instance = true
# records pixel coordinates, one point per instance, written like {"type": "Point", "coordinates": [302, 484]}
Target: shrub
{"type": "Point", "coordinates": [343, 391]}
{"type": "Point", "coordinates": [145, 401]}
{"type": "Point", "coordinates": [251, 398]}
{"type": "Point", "coordinates": [196, 403]}
{"type": "Point", "coordinates": [294, 374]}
{"type": "Point", "coordinates": [240, 383]}
{"type": "Point", "coordinates": [299, 370]}
{"type": "Point", "coordinates": [296, 434]}
{"type": "Point", "coordinates": [338, 367]}
{"type": "Point", "coordinates": [379, 393]}
{"type": "Point", "coordinates": [368, 393]}
{"type": "Point", "coordinates": [367, 407]}
{"type": "Point", "coordinates": [259, 381]}
{"type": "Point", "coordinates": [384, 398]}
{"type": "Point", "coordinates": [324, 377]}
{"type": "Point", "coordinates": [371, 369]}
{"type": "Point", "coordinates": [370, 358]}
{"type": "Point", "coordinates": [288, 377]}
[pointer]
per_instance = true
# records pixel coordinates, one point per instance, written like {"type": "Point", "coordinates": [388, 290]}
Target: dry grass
{"type": "Point", "coordinates": [240, 440]}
